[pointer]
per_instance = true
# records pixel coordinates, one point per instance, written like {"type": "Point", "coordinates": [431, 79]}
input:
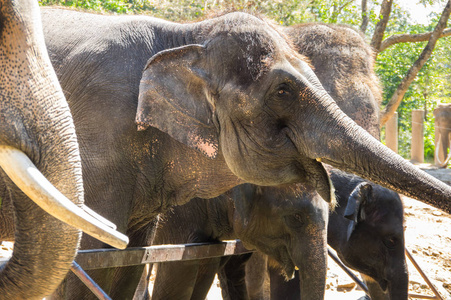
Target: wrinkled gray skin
{"type": "Point", "coordinates": [366, 230]}
{"type": "Point", "coordinates": [442, 114]}
{"type": "Point", "coordinates": [344, 64]}
{"type": "Point", "coordinates": [224, 101]}
{"type": "Point", "coordinates": [34, 118]}
{"type": "Point", "coordinates": [287, 223]}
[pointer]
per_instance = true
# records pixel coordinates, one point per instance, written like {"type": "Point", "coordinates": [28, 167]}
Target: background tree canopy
{"type": "Point", "coordinates": [431, 85]}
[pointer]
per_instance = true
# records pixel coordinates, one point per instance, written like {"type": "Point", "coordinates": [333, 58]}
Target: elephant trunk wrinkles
{"type": "Point", "coordinates": [41, 126]}
{"type": "Point", "coordinates": [339, 141]}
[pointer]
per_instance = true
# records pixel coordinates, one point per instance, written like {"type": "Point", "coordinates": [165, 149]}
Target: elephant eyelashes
{"type": "Point", "coordinates": [283, 91]}
{"type": "Point", "coordinates": [294, 221]}
{"type": "Point", "coordinates": [390, 242]}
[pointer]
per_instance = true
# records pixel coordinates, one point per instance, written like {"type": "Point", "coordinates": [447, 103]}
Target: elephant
{"type": "Point", "coordinates": [287, 223]}
{"type": "Point", "coordinates": [344, 64]}
{"type": "Point", "coordinates": [220, 102]}
{"type": "Point", "coordinates": [40, 163]}
{"type": "Point", "coordinates": [356, 59]}
{"type": "Point", "coordinates": [442, 114]}
{"type": "Point", "coordinates": [366, 230]}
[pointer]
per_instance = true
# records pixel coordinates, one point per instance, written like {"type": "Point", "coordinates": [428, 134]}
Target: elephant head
{"type": "Point", "coordinates": [367, 231]}
{"type": "Point", "coordinates": [38, 148]}
{"type": "Point", "coordinates": [245, 96]}
{"type": "Point", "coordinates": [289, 224]}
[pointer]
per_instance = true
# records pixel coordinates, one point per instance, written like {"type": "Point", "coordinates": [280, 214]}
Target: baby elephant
{"type": "Point", "coordinates": [287, 223]}
{"type": "Point", "coordinates": [366, 230]}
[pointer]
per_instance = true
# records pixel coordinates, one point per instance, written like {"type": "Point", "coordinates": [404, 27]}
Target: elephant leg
{"type": "Point", "coordinates": [256, 272]}
{"type": "Point", "coordinates": [282, 289]}
{"type": "Point", "coordinates": [175, 280]}
{"type": "Point", "coordinates": [232, 277]}
{"type": "Point", "coordinates": [126, 279]}
{"type": "Point", "coordinates": [142, 291]}
{"type": "Point", "coordinates": [205, 277]}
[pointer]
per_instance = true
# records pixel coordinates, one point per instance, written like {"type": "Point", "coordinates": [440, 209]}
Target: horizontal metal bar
{"type": "Point", "coordinates": [108, 258]}
{"type": "Point", "coordinates": [417, 296]}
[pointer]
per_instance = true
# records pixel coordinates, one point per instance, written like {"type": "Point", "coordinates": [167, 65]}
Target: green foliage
{"type": "Point", "coordinates": [432, 85]}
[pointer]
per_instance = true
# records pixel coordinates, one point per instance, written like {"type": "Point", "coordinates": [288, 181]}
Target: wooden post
{"type": "Point", "coordinates": [391, 133]}
{"type": "Point", "coordinates": [417, 147]}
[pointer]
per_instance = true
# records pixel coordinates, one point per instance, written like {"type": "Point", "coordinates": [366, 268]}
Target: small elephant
{"type": "Point", "coordinates": [220, 102]}
{"type": "Point", "coordinates": [442, 114]}
{"type": "Point", "coordinates": [40, 162]}
{"type": "Point", "coordinates": [366, 229]}
{"type": "Point", "coordinates": [287, 223]}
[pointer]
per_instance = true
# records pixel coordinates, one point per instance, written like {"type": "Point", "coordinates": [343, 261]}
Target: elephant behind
{"type": "Point", "coordinates": [220, 102]}
{"type": "Point", "coordinates": [367, 232]}
{"type": "Point", "coordinates": [287, 223]}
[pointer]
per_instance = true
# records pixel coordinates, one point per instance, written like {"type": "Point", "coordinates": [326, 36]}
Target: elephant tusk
{"type": "Point", "coordinates": [32, 182]}
{"type": "Point", "coordinates": [437, 156]}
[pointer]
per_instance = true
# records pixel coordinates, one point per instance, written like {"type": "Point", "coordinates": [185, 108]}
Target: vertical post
{"type": "Point", "coordinates": [417, 148]}
{"type": "Point", "coordinates": [391, 133]}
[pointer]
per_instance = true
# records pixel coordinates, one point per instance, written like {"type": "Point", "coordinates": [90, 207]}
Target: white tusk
{"type": "Point", "coordinates": [437, 156]}
{"type": "Point", "coordinates": [30, 180]}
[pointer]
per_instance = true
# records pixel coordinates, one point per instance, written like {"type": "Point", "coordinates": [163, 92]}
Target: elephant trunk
{"type": "Point", "coordinates": [311, 259]}
{"type": "Point", "coordinates": [35, 121]}
{"type": "Point", "coordinates": [335, 139]}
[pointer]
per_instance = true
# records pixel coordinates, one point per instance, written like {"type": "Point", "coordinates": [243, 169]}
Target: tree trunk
{"type": "Point", "coordinates": [396, 99]}
{"type": "Point", "coordinates": [384, 16]}
{"type": "Point", "coordinates": [365, 18]}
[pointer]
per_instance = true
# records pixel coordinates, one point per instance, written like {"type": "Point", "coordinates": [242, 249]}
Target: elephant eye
{"type": "Point", "coordinates": [283, 90]}
{"type": "Point", "coordinates": [391, 242]}
{"type": "Point", "coordinates": [295, 220]}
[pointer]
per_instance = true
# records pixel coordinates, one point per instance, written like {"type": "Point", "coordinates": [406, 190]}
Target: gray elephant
{"type": "Point", "coordinates": [442, 114]}
{"type": "Point", "coordinates": [366, 229]}
{"type": "Point", "coordinates": [39, 163]}
{"type": "Point", "coordinates": [372, 242]}
{"type": "Point", "coordinates": [344, 64]}
{"type": "Point", "coordinates": [287, 223]}
{"type": "Point", "coordinates": [221, 102]}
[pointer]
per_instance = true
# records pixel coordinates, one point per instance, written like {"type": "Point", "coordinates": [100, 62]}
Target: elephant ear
{"type": "Point", "coordinates": [244, 197]}
{"type": "Point", "coordinates": [174, 97]}
{"type": "Point", "coordinates": [354, 211]}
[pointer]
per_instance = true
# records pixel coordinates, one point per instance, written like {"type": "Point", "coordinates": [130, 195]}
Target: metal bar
{"type": "Point", "coordinates": [92, 286]}
{"type": "Point", "coordinates": [109, 258]}
{"type": "Point", "coordinates": [429, 283]}
{"type": "Point", "coordinates": [350, 274]}
{"type": "Point", "coordinates": [417, 296]}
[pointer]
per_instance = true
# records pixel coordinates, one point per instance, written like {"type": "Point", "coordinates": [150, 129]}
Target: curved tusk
{"type": "Point", "coordinates": [30, 180]}
{"type": "Point", "coordinates": [437, 156]}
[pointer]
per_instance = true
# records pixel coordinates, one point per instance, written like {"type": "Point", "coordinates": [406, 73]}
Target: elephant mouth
{"type": "Point", "coordinates": [284, 263]}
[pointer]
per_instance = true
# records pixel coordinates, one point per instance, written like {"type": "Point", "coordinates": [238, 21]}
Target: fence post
{"type": "Point", "coordinates": [417, 148]}
{"type": "Point", "coordinates": [391, 133]}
